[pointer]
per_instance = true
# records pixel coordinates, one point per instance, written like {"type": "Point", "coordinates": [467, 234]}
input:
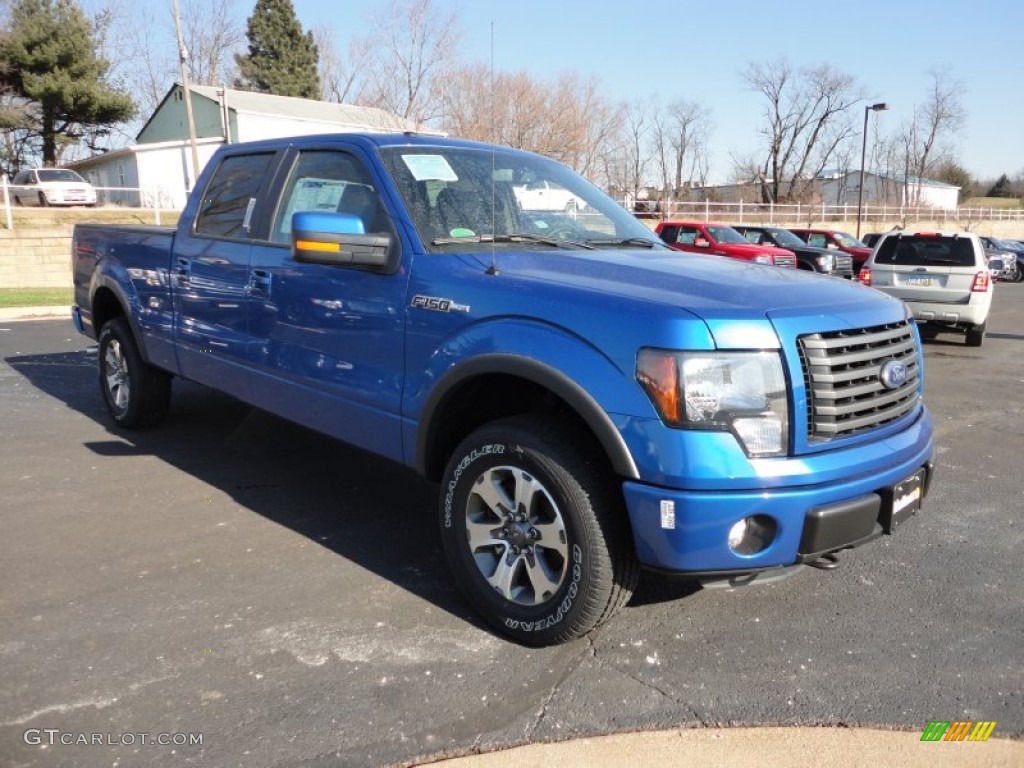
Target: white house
{"type": "Point", "coordinates": [156, 170]}
{"type": "Point", "coordinates": [843, 188]}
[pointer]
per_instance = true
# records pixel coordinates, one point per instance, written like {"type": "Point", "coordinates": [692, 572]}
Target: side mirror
{"type": "Point", "coordinates": [701, 242]}
{"type": "Point", "coordinates": [339, 239]}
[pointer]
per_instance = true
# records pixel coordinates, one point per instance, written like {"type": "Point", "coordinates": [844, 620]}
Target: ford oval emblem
{"type": "Point", "coordinates": [893, 374]}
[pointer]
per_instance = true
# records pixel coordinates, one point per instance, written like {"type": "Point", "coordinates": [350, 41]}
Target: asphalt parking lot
{"type": "Point", "coordinates": [283, 598]}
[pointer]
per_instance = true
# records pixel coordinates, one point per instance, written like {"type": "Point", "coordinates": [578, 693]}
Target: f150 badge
{"type": "Point", "coordinates": [436, 304]}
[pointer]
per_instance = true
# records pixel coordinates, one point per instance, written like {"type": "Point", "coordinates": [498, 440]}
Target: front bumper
{"type": "Point", "coordinates": [687, 531]}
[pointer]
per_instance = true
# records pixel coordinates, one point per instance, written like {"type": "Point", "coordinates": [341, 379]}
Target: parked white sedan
{"type": "Point", "coordinates": [546, 196]}
{"type": "Point", "coordinates": [51, 186]}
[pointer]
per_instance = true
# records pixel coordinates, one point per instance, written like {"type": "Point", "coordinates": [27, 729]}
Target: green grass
{"type": "Point", "coordinates": [35, 297]}
{"type": "Point", "coordinates": [992, 202]}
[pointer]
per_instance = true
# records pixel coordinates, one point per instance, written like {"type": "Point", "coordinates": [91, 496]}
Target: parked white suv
{"type": "Point", "coordinates": [51, 186]}
{"type": "Point", "coordinates": [942, 276]}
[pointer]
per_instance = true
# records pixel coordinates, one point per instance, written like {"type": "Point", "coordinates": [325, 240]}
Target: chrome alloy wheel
{"type": "Point", "coordinates": [116, 375]}
{"type": "Point", "coordinates": [516, 535]}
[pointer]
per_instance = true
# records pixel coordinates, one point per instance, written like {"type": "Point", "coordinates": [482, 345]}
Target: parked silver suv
{"type": "Point", "coordinates": [943, 277]}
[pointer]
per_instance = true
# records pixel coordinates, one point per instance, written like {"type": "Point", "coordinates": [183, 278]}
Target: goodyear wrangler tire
{"type": "Point", "coordinates": [535, 531]}
{"type": "Point", "coordinates": [136, 393]}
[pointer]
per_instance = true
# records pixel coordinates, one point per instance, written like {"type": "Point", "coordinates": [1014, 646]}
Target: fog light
{"type": "Point", "coordinates": [752, 534]}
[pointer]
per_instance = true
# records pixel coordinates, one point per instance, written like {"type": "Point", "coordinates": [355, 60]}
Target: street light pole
{"type": "Point", "coordinates": [863, 153]}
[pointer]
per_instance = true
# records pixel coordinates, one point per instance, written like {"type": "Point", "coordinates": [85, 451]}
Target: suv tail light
{"type": "Point", "coordinates": [982, 281]}
{"type": "Point", "coordinates": [865, 275]}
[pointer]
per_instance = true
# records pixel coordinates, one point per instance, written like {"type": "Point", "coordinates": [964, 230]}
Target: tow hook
{"type": "Point", "coordinates": [827, 562]}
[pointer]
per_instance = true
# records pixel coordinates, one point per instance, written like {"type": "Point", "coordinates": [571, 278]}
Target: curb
{"type": "Point", "coordinates": [8, 314]}
{"type": "Point", "coordinates": [765, 746]}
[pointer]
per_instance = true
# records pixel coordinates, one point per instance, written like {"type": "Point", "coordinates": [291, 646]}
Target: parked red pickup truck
{"type": "Point", "coordinates": [721, 240]}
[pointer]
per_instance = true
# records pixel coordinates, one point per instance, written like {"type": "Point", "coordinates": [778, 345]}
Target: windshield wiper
{"type": "Point", "coordinates": [515, 237]}
{"type": "Point", "coordinates": [643, 242]}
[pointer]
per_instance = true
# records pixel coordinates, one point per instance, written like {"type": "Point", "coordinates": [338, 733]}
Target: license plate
{"type": "Point", "coordinates": [922, 281]}
{"type": "Point", "coordinates": [902, 501]}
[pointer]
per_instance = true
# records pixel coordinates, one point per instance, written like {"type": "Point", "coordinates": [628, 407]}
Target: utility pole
{"type": "Point", "coordinates": [183, 60]}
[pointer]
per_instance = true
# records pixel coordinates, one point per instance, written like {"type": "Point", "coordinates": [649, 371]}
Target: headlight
{"type": "Point", "coordinates": [827, 262]}
{"type": "Point", "coordinates": [742, 392]}
{"type": "Point", "coordinates": [764, 259]}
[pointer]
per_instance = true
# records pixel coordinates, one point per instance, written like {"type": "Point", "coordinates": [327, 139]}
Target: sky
{"type": "Point", "coordinates": [696, 51]}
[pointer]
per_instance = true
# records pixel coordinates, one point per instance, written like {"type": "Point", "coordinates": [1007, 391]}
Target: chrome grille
{"type": "Point", "coordinates": [844, 263]}
{"type": "Point", "coordinates": [845, 395]}
{"type": "Point", "coordinates": [785, 261]}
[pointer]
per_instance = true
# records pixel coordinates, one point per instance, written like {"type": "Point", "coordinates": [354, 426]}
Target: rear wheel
{"type": "Point", "coordinates": [975, 335]}
{"type": "Point", "coordinates": [535, 531]}
{"type": "Point", "coordinates": [137, 394]}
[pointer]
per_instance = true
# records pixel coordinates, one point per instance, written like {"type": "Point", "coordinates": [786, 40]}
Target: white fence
{"type": "Point", "coordinates": [126, 198]}
{"type": "Point", "coordinates": [794, 214]}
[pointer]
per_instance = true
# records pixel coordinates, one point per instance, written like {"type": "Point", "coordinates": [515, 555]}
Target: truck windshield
{"type": "Point", "coordinates": [728, 235]}
{"type": "Point", "coordinates": [474, 198]}
{"type": "Point", "coordinates": [848, 241]}
{"type": "Point", "coordinates": [786, 238]}
{"type": "Point", "coordinates": [58, 174]}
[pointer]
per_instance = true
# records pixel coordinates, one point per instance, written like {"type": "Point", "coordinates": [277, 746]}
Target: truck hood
{"type": "Point", "coordinates": [717, 290]}
{"type": "Point", "coordinates": [707, 286]}
{"type": "Point", "coordinates": [742, 249]}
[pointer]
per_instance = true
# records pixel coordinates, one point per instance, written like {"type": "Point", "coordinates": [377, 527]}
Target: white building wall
{"type": "Point", "coordinates": [114, 179]}
{"type": "Point", "coordinates": [252, 127]}
{"type": "Point", "coordinates": [166, 172]}
{"type": "Point", "coordinates": [835, 192]}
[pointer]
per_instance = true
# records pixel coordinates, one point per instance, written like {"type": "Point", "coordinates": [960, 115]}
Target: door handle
{"type": "Point", "coordinates": [259, 280]}
{"type": "Point", "coordinates": [183, 270]}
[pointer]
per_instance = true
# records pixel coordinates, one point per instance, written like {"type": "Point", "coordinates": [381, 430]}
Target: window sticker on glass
{"type": "Point", "coordinates": [429, 168]}
{"type": "Point", "coordinates": [312, 194]}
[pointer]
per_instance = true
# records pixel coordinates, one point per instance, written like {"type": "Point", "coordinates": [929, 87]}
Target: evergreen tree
{"type": "Point", "coordinates": [282, 59]}
{"type": "Point", "coordinates": [1001, 188]}
{"type": "Point", "coordinates": [52, 66]}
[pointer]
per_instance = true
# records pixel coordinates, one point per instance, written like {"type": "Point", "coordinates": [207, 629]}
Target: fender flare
{"type": "Point", "coordinates": [585, 406]}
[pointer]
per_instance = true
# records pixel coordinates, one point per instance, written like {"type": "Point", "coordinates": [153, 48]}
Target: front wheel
{"type": "Point", "coordinates": [136, 393]}
{"type": "Point", "coordinates": [535, 531]}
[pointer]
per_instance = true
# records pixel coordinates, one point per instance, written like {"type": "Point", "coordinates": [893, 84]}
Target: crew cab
{"type": "Point", "coordinates": [822, 260]}
{"type": "Point", "coordinates": [587, 402]}
{"type": "Point", "coordinates": [837, 240]}
{"type": "Point", "coordinates": [720, 240]}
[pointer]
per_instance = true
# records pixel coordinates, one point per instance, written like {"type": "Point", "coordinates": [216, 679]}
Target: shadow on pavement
{"type": "Point", "coordinates": [376, 513]}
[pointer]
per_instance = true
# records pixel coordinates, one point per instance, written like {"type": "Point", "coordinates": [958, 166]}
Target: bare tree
{"type": "Point", "coordinates": [920, 138]}
{"type": "Point", "coordinates": [213, 32]}
{"type": "Point", "coordinates": [636, 128]}
{"type": "Point", "coordinates": [807, 117]}
{"type": "Point", "coordinates": [679, 143]}
{"type": "Point", "coordinates": [140, 42]}
{"type": "Point", "coordinates": [414, 46]}
{"type": "Point", "coordinates": [340, 74]}
{"type": "Point", "coordinates": [568, 120]}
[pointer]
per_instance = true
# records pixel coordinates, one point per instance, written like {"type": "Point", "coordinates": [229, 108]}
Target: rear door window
{"type": "Point", "coordinates": [231, 196]}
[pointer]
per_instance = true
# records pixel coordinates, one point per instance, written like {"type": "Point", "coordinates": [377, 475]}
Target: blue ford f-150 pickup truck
{"type": "Point", "coordinates": [588, 401]}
